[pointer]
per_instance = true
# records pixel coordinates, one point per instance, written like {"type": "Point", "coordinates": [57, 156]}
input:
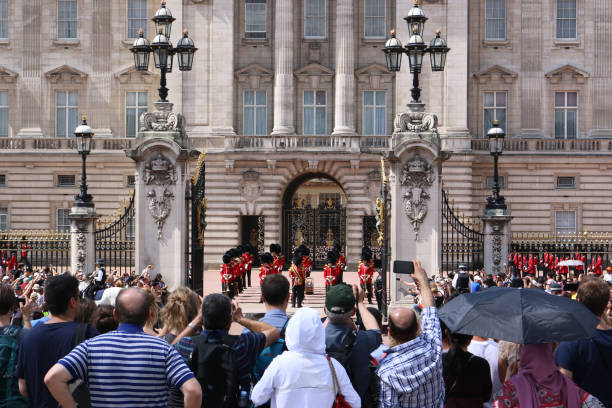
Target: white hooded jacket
{"type": "Point", "coordinates": [301, 377]}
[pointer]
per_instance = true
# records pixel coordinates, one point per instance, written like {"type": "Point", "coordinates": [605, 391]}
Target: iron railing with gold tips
{"type": "Point", "coordinates": [35, 249]}
{"type": "Point", "coordinates": [116, 238]}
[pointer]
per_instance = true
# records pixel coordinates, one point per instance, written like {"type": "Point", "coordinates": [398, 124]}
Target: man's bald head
{"type": "Point", "coordinates": [132, 306]}
{"type": "Point", "coordinates": [403, 325]}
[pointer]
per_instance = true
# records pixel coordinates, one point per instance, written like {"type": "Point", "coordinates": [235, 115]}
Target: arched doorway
{"type": "Point", "coordinates": [314, 214]}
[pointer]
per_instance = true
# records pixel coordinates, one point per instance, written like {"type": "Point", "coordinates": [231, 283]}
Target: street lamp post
{"type": "Point", "coordinates": [162, 49]}
{"type": "Point", "coordinates": [416, 49]}
{"type": "Point", "coordinates": [496, 136]}
{"type": "Point", "coordinates": [83, 134]}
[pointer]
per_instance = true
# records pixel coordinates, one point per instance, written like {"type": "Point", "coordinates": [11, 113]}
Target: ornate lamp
{"type": "Point", "coordinates": [437, 52]}
{"type": "Point", "coordinates": [496, 137]}
{"type": "Point", "coordinates": [83, 134]}
{"type": "Point", "coordinates": [185, 50]}
{"type": "Point", "coordinates": [415, 49]}
{"type": "Point", "coordinates": [141, 50]}
{"type": "Point", "coordinates": [416, 17]}
{"type": "Point", "coordinates": [393, 52]}
{"type": "Point", "coordinates": [161, 48]}
{"type": "Point", "coordinates": [163, 20]}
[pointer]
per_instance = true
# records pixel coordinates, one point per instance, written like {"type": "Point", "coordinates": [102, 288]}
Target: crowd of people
{"type": "Point", "coordinates": [156, 348]}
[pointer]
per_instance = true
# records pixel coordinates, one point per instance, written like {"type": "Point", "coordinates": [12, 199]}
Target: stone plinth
{"type": "Point", "coordinates": [415, 188]}
{"type": "Point", "coordinates": [82, 239]}
{"type": "Point", "coordinates": [496, 241]}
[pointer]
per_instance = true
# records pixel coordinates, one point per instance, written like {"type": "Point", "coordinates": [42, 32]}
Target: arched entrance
{"type": "Point", "coordinates": [314, 214]}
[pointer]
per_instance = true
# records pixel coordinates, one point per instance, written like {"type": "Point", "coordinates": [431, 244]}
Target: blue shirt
{"type": "Point", "coordinates": [42, 320]}
{"type": "Point", "coordinates": [127, 368]}
{"type": "Point", "coordinates": [274, 317]}
{"type": "Point", "coordinates": [40, 349]}
{"type": "Point", "coordinates": [475, 287]}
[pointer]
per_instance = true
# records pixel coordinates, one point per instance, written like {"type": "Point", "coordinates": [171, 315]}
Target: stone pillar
{"type": "Point", "coordinates": [82, 239]}
{"type": "Point", "coordinates": [284, 87]}
{"type": "Point", "coordinates": [100, 80]}
{"type": "Point", "coordinates": [222, 59]}
{"type": "Point", "coordinates": [415, 188]}
{"type": "Point", "coordinates": [496, 241]}
{"type": "Point", "coordinates": [344, 117]}
{"type": "Point", "coordinates": [162, 157]}
{"type": "Point", "coordinates": [30, 91]}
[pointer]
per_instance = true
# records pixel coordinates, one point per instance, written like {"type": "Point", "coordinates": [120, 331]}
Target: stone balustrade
{"type": "Point", "coordinates": [558, 146]}
{"type": "Point", "coordinates": [47, 143]}
{"type": "Point", "coordinates": [307, 143]}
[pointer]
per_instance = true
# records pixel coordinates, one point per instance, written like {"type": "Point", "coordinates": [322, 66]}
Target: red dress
{"type": "Point", "coordinates": [331, 274]}
{"type": "Point", "coordinates": [366, 272]}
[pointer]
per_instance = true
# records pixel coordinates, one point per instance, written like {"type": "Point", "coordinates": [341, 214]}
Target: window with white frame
{"type": "Point", "coordinates": [314, 18]}
{"type": "Point", "coordinates": [375, 24]}
{"type": "Point", "coordinates": [136, 17]}
{"type": "Point", "coordinates": [374, 113]}
{"type": "Point", "coordinates": [255, 19]}
{"type": "Point", "coordinates": [4, 110]}
{"type": "Point", "coordinates": [495, 19]}
{"type": "Point", "coordinates": [565, 222]}
{"type": "Point", "coordinates": [255, 113]}
{"type": "Point", "coordinates": [66, 112]}
{"type": "Point", "coordinates": [566, 19]}
{"type": "Point", "coordinates": [566, 115]}
{"type": "Point", "coordinates": [135, 105]}
{"type": "Point", "coordinates": [495, 105]}
{"type": "Point", "coordinates": [4, 221]}
{"type": "Point", "coordinates": [63, 220]}
{"type": "Point", "coordinates": [3, 19]}
{"type": "Point", "coordinates": [315, 113]}
{"type": "Point", "coordinates": [67, 19]}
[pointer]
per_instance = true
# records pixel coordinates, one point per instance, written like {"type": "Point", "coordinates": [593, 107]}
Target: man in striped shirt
{"type": "Point", "coordinates": [126, 367]}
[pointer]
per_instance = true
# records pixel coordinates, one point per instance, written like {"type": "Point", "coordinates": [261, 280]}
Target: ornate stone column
{"type": "Point", "coordinates": [344, 116]}
{"type": "Point", "coordinates": [161, 157]}
{"type": "Point", "coordinates": [416, 163]}
{"type": "Point", "coordinates": [284, 123]}
{"type": "Point", "coordinates": [496, 242]}
{"type": "Point", "coordinates": [82, 239]}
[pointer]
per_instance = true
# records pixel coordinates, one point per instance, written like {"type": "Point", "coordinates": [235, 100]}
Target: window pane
{"type": "Point", "coordinates": [500, 99]}
{"type": "Point", "coordinates": [73, 98]}
{"type": "Point", "coordinates": [143, 99]}
{"type": "Point", "coordinates": [4, 19]}
{"type": "Point", "coordinates": [60, 122]}
{"type": "Point", "coordinates": [375, 18]}
{"type": "Point", "coordinates": [3, 98]}
{"type": "Point", "coordinates": [308, 97]}
{"type": "Point", "coordinates": [4, 122]}
{"type": "Point", "coordinates": [489, 99]}
{"type": "Point", "coordinates": [249, 121]}
{"type": "Point", "coordinates": [130, 99]}
{"type": "Point", "coordinates": [321, 125]}
{"type": "Point", "coordinates": [255, 19]}
{"type": "Point", "coordinates": [368, 120]}
{"type": "Point", "coordinates": [559, 124]}
{"type": "Point", "coordinates": [381, 98]}
{"type": "Point", "coordinates": [308, 121]}
{"type": "Point", "coordinates": [73, 119]}
{"type": "Point", "coordinates": [320, 97]}
{"type": "Point", "coordinates": [500, 115]}
{"type": "Point", "coordinates": [130, 122]}
{"type": "Point", "coordinates": [368, 98]}
{"type": "Point", "coordinates": [60, 99]}
{"type": "Point", "coordinates": [489, 115]}
{"type": "Point", "coordinates": [572, 99]}
{"type": "Point", "coordinates": [380, 121]}
{"type": "Point", "coordinates": [261, 122]}
{"type": "Point", "coordinates": [261, 98]}
{"type": "Point", "coordinates": [249, 98]}
{"type": "Point", "coordinates": [314, 18]}
{"type": "Point", "coordinates": [572, 123]}
{"type": "Point", "coordinates": [559, 98]}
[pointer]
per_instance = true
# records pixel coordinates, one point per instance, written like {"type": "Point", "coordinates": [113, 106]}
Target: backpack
{"type": "Point", "coordinates": [463, 283]}
{"type": "Point", "coordinates": [215, 368]}
{"type": "Point", "coordinates": [9, 347]}
{"type": "Point", "coordinates": [343, 354]}
{"type": "Point", "coordinates": [269, 353]}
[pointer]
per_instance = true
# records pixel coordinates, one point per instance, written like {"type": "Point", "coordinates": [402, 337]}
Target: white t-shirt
{"type": "Point", "coordinates": [489, 350]}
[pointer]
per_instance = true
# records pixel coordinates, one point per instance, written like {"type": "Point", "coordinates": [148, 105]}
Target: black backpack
{"type": "Point", "coordinates": [463, 283]}
{"type": "Point", "coordinates": [343, 354]}
{"type": "Point", "coordinates": [214, 365]}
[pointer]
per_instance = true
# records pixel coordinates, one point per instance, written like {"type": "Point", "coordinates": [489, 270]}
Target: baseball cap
{"type": "Point", "coordinates": [6, 278]}
{"type": "Point", "coordinates": [477, 278]}
{"type": "Point", "coordinates": [340, 299]}
{"type": "Point", "coordinates": [36, 286]}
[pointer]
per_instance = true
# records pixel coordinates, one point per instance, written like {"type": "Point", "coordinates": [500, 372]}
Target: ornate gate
{"type": "Point", "coordinates": [116, 239]}
{"type": "Point", "coordinates": [198, 225]}
{"type": "Point", "coordinates": [317, 228]}
{"type": "Point", "coordinates": [461, 240]}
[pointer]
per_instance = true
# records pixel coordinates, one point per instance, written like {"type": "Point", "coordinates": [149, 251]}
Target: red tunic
{"type": "Point", "coordinates": [235, 267]}
{"type": "Point", "coordinates": [278, 263]}
{"type": "Point", "coordinates": [264, 271]}
{"type": "Point", "coordinates": [331, 274]}
{"type": "Point", "coordinates": [341, 262]}
{"type": "Point", "coordinates": [297, 275]}
{"type": "Point", "coordinates": [226, 273]}
{"type": "Point", "coordinates": [366, 271]}
{"type": "Point", "coordinates": [307, 264]}
{"type": "Point", "coordinates": [597, 269]}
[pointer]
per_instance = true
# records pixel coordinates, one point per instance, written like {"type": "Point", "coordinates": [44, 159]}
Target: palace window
{"type": "Point", "coordinates": [255, 113]}
{"type": "Point", "coordinates": [2, 180]}
{"type": "Point", "coordinates": [136, 104]}
{"type": "Point", "coordinates": [66, 19]}
{"type": "Point", "coordinates": [63, 220]}
{"type": "Point", "coordinates": [495, 105]}
{"type": "Point", "coordinates": [375, 24]}
{"type": "Point", "coordinates": [315, 113]}
{"type": "Point", "coordinates": [495, 16]}
{"type": "Point", "coordinates": [566, 115]}
{"type": "Point", "coordinates": [255, 19]}
{"type": "Point", "coordinates": [66, 113]}
{"type": "Point", "coordinates": [4, 221]}
{"type": "Point", "coordinates": [565, 222]}
{"type": "Point", "coordinates": [374, 113]}
{"type": "Point", "coordinates": [66, 180]}
{"type": "Point", "coordinates": [4, 110]}
{"type": "Point", "coordinates": [566, 19]}
{"type": "Point", "coordinates": [136, 17]}
{"type": "Point", "coordinates": [3, 19]}
{"type": "Point", "coordinates": [314, 18]}
{"type": "Point", "coordinates": [566, 182]}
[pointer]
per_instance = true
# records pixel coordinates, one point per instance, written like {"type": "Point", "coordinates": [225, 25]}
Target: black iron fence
{"type": "Point", "coordinates": [116, 239]}
{"type": "Point", "coordinates": [34, 249]}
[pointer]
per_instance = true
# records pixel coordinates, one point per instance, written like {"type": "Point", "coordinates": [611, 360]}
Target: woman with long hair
{"type": "Point", "coordinates": [181, 307]}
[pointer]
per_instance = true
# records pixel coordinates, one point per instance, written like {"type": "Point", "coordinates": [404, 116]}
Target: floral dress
{"type": "Point", "coordinates": [507, 398]}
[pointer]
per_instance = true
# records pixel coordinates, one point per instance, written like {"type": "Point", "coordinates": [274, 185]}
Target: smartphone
{"type": "Point", "coordinates": [406, 267]}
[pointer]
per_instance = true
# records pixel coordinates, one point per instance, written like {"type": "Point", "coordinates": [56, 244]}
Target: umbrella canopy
{"type": "Point", "coordinates": [571, 262]}
{"type": "Point", "coordinates": [524, 316]}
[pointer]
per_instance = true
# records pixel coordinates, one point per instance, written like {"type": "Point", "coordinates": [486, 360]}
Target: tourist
{"type": "Point", "coordinates": [103, 319]}
{"type": "Point", "coordinates": [489, 350]}
{"type": "Point", "coordinates": [302, 376]}
{"type": "Point", "coordinates": [275, 293]}
{"type": "Point", "coordinates": [182, 306]}
{"type": "Point", "coordinates": [151, 324]}
{"type": "Point", "coordinates": [141, 366]}
{"type": "Point", "coordinates": [411, 374]}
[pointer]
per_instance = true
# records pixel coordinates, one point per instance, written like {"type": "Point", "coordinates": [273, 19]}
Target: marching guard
{"type": "Point", "coordinates": [298, 277]}
{"type": "Point", "coordinates": [227, 275]}
{"type": "Point", "coordinates": [265, 270]}
{"type": "Point", "coordinates": [366, 272]}
{"type": "Point", "coordinates": [332, 271]}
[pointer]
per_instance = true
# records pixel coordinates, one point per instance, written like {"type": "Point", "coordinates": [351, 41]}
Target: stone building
{"type": "Point", "coordinates": [293, 104]}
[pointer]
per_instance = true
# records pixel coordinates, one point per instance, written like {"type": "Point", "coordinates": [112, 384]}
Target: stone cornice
{"type": "Point", "coordinates": [7, 75]}
{"type": "Point", "coordinates": [131, 75]}
{"type": "Point", "coordinates": [254, 74]}
{"type": "Point", "coordinates": [496, 73]}
{"type": "Point", "coordinates": [66, 74]}
{"type": "Point", "coordinates": [567, 73]}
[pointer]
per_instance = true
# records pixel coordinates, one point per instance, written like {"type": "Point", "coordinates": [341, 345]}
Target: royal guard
{"type": "Point", "coordinates": [235, 268]}
{"type": "Point", "coordinates": [306, 260]}
{"type": "Point", "coordinates": [535, 263]}
{"type": "Point", "coordinates": [341, 263]}
{"type": "Point", "coordinates": [366, 272]}
{"type": "Point", "coordinates": [11, 264]}
{"type": "Point", "coordinates": [265, 270]}
{"type": "Point", "coordinates": [24, 253]}
{"type": "Point", "coordinates": [248, 256]}
{"type": "Point", "coordinates": [530, 265]}
{"type": "Point", "coordinates": [597, 269]}
{"type": "Point", "coordinates": [279, 259]}
{"type": "Point", "coordinates": [331, 271]}
{"type": "Point", "coordinates": [565, 269]}
{"type": "Point", "coordinates": [298, 279]}
{"type": "Point", "coordinates": [227, 276]}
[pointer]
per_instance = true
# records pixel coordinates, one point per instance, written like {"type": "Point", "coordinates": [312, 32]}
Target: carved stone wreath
{"type": "Point", "coordinates": [159, 175]}
{"type": "Point", "coordinates": [415, 122]}
{"type": "Point", "coordinates": [81, 245]}
{"type": "Point", "coordinates": [417, 177]}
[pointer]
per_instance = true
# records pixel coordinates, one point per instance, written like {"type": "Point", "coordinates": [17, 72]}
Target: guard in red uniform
{"type": "Point", "coordinates": [24, 253]}
{"type": "Point", "coordinates": [227, 276]}
{"type": "Point", "coordinates": [597, 269]}
{"type": "Point", "coordinates": [279, 259]}
{"type": "Point", "coordinates": [331, 271]}
{"type": "Point", "coordinates": [341, 263]}
{"type": "Point", "coordinates": [248, 256]}
{"type": "Point", "coordinates": [298, 277]}
{"type": "Point", "coordinates": [306, 261]}
{"type": "Point", "coordinates": [265, 270]}
{"type": "Point", "coordinates": [366, 272]}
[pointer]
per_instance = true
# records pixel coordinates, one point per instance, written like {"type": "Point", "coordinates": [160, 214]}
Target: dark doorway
{"type": "Point", "coordinates": [253, 234]}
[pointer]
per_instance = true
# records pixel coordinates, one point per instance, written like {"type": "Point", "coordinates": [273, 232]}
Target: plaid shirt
{"type": "Point", "coordinates": [411, 374]}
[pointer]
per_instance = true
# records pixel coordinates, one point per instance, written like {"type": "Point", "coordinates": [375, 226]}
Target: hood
{"type": "Point", "coordinates": [305, 332]}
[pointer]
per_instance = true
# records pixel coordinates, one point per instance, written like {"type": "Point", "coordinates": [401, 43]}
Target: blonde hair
{"type": "Point", "coordinates": [153, 309]}
{"type": "Point", "coordinates": [181, 307]}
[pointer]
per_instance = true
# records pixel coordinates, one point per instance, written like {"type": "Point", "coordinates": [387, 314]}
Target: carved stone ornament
{"type": "Point", "coordinates": [415, 122]}
{"type": "Point", "coordinates": [416, 177]}
{"type": "Point", "coordinates": [162, 119]}
{"type": "Point", "coordinates": [497, 248]}
{"type": "Point", "coordinates": [159, 175]}
{"type": "Point", "coordinates": [81, 245]}
{"type": "Point", "coordinates": [250, 186]}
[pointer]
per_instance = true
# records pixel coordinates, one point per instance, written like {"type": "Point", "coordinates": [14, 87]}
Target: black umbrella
{"type": "Point", "coordinates": [524, 316]}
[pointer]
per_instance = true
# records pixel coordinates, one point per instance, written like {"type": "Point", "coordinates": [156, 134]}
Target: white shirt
{"type": "Point", "coordinates": [301, 377]}
{"type": "Point", "coordinates": [489, 350]}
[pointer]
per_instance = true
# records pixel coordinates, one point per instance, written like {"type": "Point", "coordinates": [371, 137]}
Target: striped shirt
{"type": "Point", "coordinates": [127, 368]}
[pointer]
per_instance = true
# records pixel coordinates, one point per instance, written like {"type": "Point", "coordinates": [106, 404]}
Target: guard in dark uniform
{"type": "Point", "coordinates": [98, 281]}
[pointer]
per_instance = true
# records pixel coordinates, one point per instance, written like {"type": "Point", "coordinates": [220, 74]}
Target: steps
{"type": "Point", "coordinates": [249, 301]}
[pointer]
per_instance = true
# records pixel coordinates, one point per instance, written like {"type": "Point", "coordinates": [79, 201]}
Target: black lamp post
{"type": "Point", "coordinates": [162, 49]}
{"type": "Point", "coordinates": [416, 49]}
{"type": "Point", "coordinates": [83, 134]}
{"type": "Point", "coordinates": [496, 137]}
